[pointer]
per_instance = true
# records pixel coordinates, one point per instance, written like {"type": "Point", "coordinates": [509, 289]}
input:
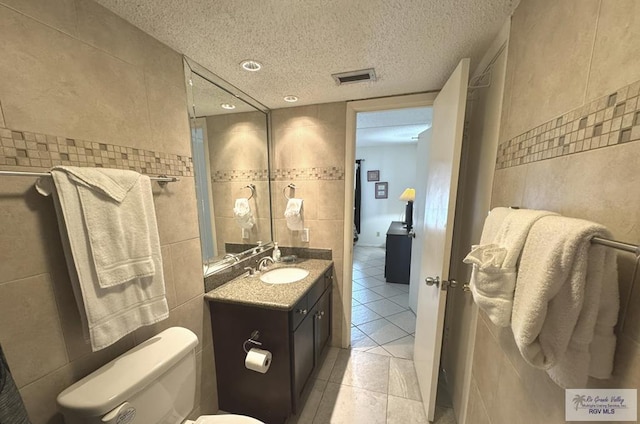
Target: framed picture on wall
{"type": "Point", "coordinates": [373, 175]}
{"type": "Point", "coordinates": [382, 190]}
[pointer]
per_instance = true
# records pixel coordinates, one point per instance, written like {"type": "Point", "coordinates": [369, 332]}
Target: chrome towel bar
{"type": "Point", "coordinates": [161, 179]}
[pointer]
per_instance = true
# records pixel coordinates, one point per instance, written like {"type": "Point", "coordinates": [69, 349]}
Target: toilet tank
{"type": "Point", "coordinates": [153, 383]}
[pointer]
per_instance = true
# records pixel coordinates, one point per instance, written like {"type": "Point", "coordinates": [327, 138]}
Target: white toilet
{"type": "Point", "coordinates": [153, 383]}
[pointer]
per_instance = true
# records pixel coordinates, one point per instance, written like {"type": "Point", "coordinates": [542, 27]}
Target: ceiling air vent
{"type": "Point", "coordinates": [355, 76]}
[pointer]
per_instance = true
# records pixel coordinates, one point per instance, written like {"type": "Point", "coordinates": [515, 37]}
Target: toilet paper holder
{"type": "Point", "coordinates": [255, 335]}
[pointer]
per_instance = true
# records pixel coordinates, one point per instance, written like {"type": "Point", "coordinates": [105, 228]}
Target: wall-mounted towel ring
{"type": "Point", "coordinates": [251, 187]}
{"type": "Point", "coordinates": [289, 186]}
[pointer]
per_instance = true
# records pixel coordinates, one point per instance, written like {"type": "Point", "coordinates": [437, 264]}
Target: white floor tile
{"type": "Point", "coordinates": [387, 290]}
{"type": "Point", "coordinates": [403, 287]}
{"type": "Point", "coordinates": [379, 350]}
{"type": "Point", "coordinates": [370, 282]}
{"type": "Point", "coordinates": [361, 369]}
{"type": "Point", "coordinates": [372, 270]}
{"type": "Point", "coordinates": [401, 299]}
{"type": "Point", "coordinates": [358, 274]}
{"type": "Point", "coordinates": [385, 307]}
{"type": "Point", "coordinates": [366, 296]}
{"type": "Point", "coordinates": [351, 405]}
{"type": "Point", "coordinates": [355, 286]}
{"type": "Point", "coordinates": [404, 411]}
{"type": "Point", "coordinates": [405, 320]}
{"type": "Point", "coordinates": [329, 362]}
{"type": "Point", "coordinates": [400, 348]}
{"type": "Point", "coordinates": [360, 314]}
{"type": "Point", "coordinates": [360, 341]}
{"type": "Point", "coordinates": [311, 404]}
{"type": "Point", "coordinates": [382, 331]}
{"type": "Point", "coordinates": [403, 381]}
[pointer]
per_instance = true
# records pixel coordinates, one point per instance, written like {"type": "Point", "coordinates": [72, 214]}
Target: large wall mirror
{"type": "Point", "coordinates": [230, 144]}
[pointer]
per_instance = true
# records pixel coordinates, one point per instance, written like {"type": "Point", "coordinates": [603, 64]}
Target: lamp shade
{"type": "Point", "coordinates": [408, 195]}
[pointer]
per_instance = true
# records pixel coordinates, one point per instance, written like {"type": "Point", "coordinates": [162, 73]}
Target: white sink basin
{"type": "Point", "coordinates": [284, 275]}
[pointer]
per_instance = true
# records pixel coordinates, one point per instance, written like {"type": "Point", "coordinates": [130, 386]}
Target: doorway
{"type": "Point", "coordinates": [372, 257]}
{"type": "Point", "coordinates": [386, 150]}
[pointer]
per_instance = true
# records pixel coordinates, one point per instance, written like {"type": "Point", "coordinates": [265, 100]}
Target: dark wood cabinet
{"type": "Point", "coordinates": [296, 338]}
{"type": "Point", "coordinates": [398, 254]}
{"type": "Point", "coordinates": [302, 356]}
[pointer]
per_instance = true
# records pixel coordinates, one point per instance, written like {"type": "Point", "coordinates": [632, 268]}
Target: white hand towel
{"type": "Point", "coordinates": [493, 277]}
{"type": "Point", "coordinates": [120, 221]}
{"type": "Point", "coordinates": [242, 213]}
{"type": "Point", "coordinates": [294, 214]}
{"type": "Point", "coordinates": [566, 301]}
{"type": "Point", "coordinates": [107, 313]}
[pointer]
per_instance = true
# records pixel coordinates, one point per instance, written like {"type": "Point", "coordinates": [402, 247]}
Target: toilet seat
{"type": "Point", "coordinates": [225, 419]}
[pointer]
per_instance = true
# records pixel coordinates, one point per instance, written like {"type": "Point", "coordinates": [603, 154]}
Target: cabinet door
{"type": "Point", "coordinates": [322, 323]}
{"type": "Point", "coordinates": [303, 355]}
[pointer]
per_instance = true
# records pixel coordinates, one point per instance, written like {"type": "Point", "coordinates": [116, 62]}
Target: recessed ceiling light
{"type": "Point", "coordinates": [227, 106]}
{"type": "Point", "coordinates": [251, 65]}
{"type": "Point", "coordinates": [290, 99]}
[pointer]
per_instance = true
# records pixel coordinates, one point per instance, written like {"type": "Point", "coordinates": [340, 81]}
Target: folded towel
{"type": "Point", "coordinates": [566, 301]}
{"type": "Point", "coordinates": [242, 213]}
{"type": "Point", "coordinates": [107, 313]}
{"type": "Point", "coordinates": [294, 215]}
{"type": "Point", "coordinates": [12, 408]}
{"type": "Point", "coordinates": [117, 212]}
{"type": "Point", "coordinates": [493, 277]}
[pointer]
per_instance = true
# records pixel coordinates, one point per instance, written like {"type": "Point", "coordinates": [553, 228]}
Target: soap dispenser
{"type": "Point", "coordinates": [276, 252]}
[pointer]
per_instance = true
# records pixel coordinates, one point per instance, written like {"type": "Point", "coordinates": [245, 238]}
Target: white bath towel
{"type": "Point", "coordinates": [118, 212]}
{"type": "Point", "coordinates": [495, 260]}
{"type": "Point", "coordinates": [566, 301]}
{"type": "Point", "coordinates": [294, 214]}
{"type": "Point", "coordinates": [242, 213]}
{"type": "Point", "coordinates": [107, 313]}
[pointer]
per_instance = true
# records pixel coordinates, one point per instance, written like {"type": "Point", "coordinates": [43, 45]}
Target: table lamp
{"type": "Point", "coordinates": [408, 195]}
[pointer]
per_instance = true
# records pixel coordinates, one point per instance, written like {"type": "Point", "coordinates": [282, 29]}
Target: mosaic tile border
{"type": "Point", "coordinates": [321, 173]}
{"type": "Point", "coordinates": [28, 149]}
{"type": "Point", "coordinates": [228, 175]}
{"type": "Point", "coordinates": [608, 121]}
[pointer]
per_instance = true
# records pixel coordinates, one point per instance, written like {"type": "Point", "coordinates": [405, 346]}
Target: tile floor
{"type": "Point", "coordinates": [381, 320]}
{"type": "Point", "coordinates": [374, 382]}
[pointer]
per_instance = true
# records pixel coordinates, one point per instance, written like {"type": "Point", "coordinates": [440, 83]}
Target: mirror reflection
{"type": "Point", "coordinates": [230, 153]}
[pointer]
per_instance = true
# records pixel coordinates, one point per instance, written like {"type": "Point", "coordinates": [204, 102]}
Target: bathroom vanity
{"type": "Point", "coordinates": [293, 322]}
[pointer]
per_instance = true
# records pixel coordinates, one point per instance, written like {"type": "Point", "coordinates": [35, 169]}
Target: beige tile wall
{"type": "Point", "coordinates": [563, 56]}
{"type": "Point", "coordinates": [238, 157]}
{"type": "Point", "coordinates": [308, 150]}
{"type": "Point", "coordinates": [71, 69]}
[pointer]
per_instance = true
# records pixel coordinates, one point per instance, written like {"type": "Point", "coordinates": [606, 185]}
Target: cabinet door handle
{"type": "Point", "coordinates": [301, 311]}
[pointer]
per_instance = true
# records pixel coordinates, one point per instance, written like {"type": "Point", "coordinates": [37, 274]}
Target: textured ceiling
{"type": "Point", "coordinates": [399, 126]}
{"type": "Point", "coordinates": [412, 44]}
{"type": "Point", "coordinates": [208, 99]}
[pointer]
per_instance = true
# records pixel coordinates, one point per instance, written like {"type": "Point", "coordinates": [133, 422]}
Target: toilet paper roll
{"type": "Point", "coordinates": [258, 360]}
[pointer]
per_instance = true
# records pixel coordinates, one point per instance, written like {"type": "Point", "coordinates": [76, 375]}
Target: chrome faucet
{"type": "Point", "coordinates": [262, 265]}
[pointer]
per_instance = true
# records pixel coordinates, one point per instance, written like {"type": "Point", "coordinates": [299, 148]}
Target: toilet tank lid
{"type": "Point", "coordinates": [115, 382]}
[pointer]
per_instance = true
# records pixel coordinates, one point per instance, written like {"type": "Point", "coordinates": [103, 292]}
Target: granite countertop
{"type": "Point", "coordinates": [247, 290]}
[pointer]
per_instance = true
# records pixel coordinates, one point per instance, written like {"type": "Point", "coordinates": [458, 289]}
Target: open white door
{"type": "Point", "coordinates": [442, 164]}
{"type": "Point", "coordinates": [424, 140]}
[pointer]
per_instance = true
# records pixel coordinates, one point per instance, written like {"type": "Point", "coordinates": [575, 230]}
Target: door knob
{"type": "Point", "coordinates": [432, 281]}
{"type": "Point", "coordinates": [466, 287]}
